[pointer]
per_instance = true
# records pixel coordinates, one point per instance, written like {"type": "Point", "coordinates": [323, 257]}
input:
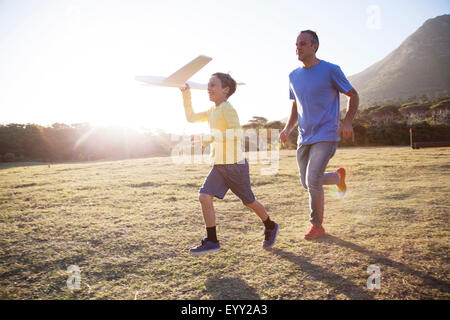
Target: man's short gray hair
{"type": "Point", "coordinates": [312, 35]}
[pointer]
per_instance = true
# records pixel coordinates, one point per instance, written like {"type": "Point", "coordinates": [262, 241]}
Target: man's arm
{"type": "Point", "coordinates": [346, 127]}
{"type": "Point", "coordinates": [291, 123]}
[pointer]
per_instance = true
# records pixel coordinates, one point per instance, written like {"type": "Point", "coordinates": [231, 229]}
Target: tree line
{"type": "Point", "coordinates": [78, 142]}
{"type": "Point", "coordinates": [386, 125]}
{"type": "Point", "coordinates": [374, 126]}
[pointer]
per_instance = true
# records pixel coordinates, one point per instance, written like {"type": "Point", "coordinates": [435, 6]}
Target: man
{"type": "Point", "coordinates": [315, 90]}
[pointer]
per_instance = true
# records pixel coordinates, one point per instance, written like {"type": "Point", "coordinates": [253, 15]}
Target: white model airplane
{"type": "Point", "coordinates": [180, 77]}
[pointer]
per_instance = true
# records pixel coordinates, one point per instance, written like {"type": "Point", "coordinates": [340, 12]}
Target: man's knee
{"type": "Point", "coordinates": [313, 182]}
{"type": "Point", "coordinates": [303, 182]}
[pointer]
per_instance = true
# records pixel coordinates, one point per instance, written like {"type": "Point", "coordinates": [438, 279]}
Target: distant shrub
{"type": "Point", "coordinates": [385, 109]}
{"type": "Point", "coordinates": [408, 104]}
{"type": "Point", "coordinates": [444, 104]}
{"type": "Point", "coordinates": [9, 157]}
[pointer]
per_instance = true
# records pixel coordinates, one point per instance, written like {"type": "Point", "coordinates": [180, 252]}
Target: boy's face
{"type": "Point", "coordinates": [216, 93]}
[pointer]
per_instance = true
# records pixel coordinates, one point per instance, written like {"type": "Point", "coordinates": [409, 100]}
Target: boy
{"type": "Point", "coordinates": [230, 170]}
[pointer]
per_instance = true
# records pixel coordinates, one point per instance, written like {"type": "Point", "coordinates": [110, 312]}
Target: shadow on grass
{"type": "Point", "coordinates": [32, 267]}
{"type": "Point", "coordinates": [341, 284]}
{"type": "Point", "coordinates": [7, 165]}
{"type": "Point", "coordinates": [230, 289]}
{"type": "Point", "coordinates": [427, 280]}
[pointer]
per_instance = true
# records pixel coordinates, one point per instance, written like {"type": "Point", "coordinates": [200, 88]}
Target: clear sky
{"type": "Point", "coordinates": [72, 61]}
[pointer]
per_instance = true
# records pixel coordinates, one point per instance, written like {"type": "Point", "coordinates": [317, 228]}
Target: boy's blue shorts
{"type": "Point", "coordinates": [229, 176]}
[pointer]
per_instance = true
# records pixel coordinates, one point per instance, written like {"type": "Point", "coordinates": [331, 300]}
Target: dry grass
{"type": "Point", "coordinates": [128, 225]}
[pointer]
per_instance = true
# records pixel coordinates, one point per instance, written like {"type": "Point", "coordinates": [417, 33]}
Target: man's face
{"type": "Point", "coordinates": [215, 90]}
{"type": "Point", "coordinates": [305, 48]}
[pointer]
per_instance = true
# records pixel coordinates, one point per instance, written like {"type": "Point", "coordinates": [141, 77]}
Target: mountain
{"type": "Point", "coordinates": [419, 66]}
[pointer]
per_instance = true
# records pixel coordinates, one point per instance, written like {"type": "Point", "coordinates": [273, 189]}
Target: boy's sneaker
{"type": "Point", "coordinates": [341, 187]}
{"type": "Point", "coordinates": [315, 232]}
{"type": "Point", "coordinates": [205, 248]}
{"type": "Point", "coordinates": [270, 237]}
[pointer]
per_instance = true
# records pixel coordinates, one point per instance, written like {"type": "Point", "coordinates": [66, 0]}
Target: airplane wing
{"type": "Point", "coordinates": [183, 74]}
{"type": "Point", "coordinates": [180, 77]}
{"type": "Point", "coordinates": [160, 81]}
{"type": "Point", "coordinates": [195, 85]}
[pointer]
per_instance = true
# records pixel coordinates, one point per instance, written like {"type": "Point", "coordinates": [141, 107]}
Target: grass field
{"type": "Point", "coordinates": [128, 225]}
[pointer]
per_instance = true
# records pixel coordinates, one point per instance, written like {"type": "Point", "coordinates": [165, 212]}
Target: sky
{"type": "Point", "coordinates": [74, 61]}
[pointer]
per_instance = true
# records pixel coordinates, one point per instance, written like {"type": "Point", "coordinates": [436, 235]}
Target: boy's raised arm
{"type": "Point", "coordinates": [191, 116]}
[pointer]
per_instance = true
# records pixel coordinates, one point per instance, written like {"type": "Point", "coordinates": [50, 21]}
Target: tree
{"type": "Point", "coordinates": [258, 120]}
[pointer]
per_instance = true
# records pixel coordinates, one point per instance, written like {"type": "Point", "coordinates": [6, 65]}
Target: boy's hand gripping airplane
{"type": "Point", "coordinates": [180, 77]}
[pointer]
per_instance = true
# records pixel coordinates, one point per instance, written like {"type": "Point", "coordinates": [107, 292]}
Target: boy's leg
{"type": "Point", "coordinates": [210, 243]}
{"type": "Point", "coordinates": [259, 209]}
{"type": "Point", "coordinates": [238, 180]}
{"type": "Point", "coordinates": [209, 215]}
{"type": "Point", "coordinates": [271, 227]}
{"type": "Point", "coordinates": [214, 186]}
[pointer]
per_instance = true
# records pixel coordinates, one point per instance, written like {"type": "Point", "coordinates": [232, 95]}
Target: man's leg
{"type": "Point", "coordinates": [330, 178]}
{"type": "Point", "coordinates": [302, 162]}
{"type": "Point", "coordinates": [319, 156]}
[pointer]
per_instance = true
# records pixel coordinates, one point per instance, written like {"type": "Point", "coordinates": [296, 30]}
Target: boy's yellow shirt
{"type": "Point", "coordinates": [226, 133]}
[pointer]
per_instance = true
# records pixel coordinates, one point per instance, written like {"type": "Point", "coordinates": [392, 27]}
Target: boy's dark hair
{"type": "Point", "coordinates": [227, 81]}
{"type": "Point", "coordinates": [312, 35]}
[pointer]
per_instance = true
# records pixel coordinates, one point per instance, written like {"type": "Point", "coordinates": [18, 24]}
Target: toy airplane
{"type": "Point", "coordinates": [180, 77]}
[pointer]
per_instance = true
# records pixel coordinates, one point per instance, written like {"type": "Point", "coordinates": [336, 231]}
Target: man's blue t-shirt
{"type": "Point", "coordinates": [316, 91]}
